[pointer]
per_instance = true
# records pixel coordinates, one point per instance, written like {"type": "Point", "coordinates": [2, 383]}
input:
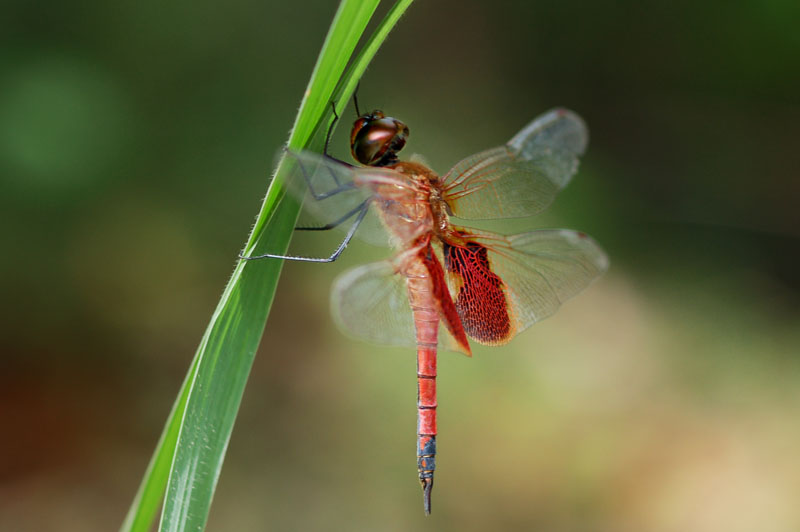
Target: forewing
{"type": "Point", "coordinates": [522, 177]}
{"type": "Point", "coordinates": [332, 193]}
{"type": "Point", "coordinates": [370, 302]}
{"type": "Point", "coordinates": [503, 285]}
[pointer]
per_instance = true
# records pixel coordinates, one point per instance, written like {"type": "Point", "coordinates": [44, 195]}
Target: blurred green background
{"type": "Point", "coordinates": [136, 143]}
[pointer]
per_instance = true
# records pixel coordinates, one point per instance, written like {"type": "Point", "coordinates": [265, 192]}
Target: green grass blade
{"type": "Point", "coordinates": [151, 490]}
{"type": "Point", "coordinates": [236, 328]}
{"type": "Point", "coordinates": [198, 429]}
{"type": "Point", "coordinates": [346, 29]}
{"type": "Point", "coordinates": [359, 65]}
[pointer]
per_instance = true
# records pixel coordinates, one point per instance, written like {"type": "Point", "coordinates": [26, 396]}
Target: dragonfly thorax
{"type": "Point", "coordinates": [406, 210]}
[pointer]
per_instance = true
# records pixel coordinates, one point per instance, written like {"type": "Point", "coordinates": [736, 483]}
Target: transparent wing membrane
{"type": "Point", "coordinates": [521, 178]}
{"type": "Point", "coordinates": [331, 197]}
{"type": "Point", "coordinates": [556, 139]}
{"type": "Point", "coordinates": [500, 285]}
{"type": "Point", "coordinates": [503, 285]}
{"type": "Point", "coordinates": [370, 302]}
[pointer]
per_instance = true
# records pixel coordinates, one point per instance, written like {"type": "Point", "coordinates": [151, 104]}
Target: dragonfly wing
{"type": "Point", "coordinates": [503, 285]}
{"type": "Point", "coordinates": [523, 177]}
{"type": "Point", "coordinates": [370, 302]}
{"type": "Point", "coordinates": [332, 194]}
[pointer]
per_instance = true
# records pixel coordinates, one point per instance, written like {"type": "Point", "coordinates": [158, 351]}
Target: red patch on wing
{"type": "Point", "coordinates": [480, 298]}
{"type": "Point", "coordinates": [449, 313]}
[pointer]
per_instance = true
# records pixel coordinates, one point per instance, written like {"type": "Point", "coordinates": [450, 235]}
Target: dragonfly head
{"type": "Point", "coordinates": [376, 138]}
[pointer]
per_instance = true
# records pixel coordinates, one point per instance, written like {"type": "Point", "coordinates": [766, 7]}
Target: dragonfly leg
{"type": "Point", "coordinates": [330, 131]}
{"type": "Point", "coordinates": [336, 119]}
{"type": "Point", "coordinates": [318, 196]}
{"type": "Point", "coordinates": [334, 255]}
{"type": "Point", "coordinates": [328, 142]}
{"type": "Point", "coordinates": [355, 98]}
{"type": "Point", "coordinates": [335, 223]}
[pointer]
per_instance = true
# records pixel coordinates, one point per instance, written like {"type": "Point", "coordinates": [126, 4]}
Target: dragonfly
{"type": "Point", "coordinates": [446, 282]}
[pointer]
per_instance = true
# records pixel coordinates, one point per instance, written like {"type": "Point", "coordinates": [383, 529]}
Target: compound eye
{"type": "Point", "coordinates": [376, 139]}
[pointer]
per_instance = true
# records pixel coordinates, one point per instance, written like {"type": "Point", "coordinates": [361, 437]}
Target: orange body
{"type": "Point", "coordinates": [456, 282]}
{"type": "Point", "coordinates": [415, 214]}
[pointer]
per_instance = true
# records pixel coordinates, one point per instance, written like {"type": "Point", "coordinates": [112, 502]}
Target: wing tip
{"type": "Point", "coordinates": [598, 257]}
{"type": "Point", "coordinates": [578, 132]}
{"type": "Point", "coordinates": [582, 130]}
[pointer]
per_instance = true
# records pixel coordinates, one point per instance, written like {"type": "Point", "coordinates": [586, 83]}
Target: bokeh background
{"type": "Point", "coordinates": [136, 143]}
